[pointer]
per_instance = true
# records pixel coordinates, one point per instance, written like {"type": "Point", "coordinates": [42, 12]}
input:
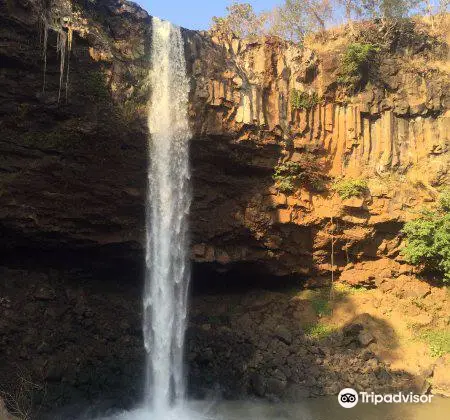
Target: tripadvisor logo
{"type": "Point", "coordinates": [348, 398]}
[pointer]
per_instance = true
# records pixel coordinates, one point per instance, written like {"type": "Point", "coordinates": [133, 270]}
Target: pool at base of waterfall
{"type": "Point", "coordinates": [322, 408]}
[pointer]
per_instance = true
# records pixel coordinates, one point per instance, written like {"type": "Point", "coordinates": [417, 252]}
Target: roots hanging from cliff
{"type": "Point", "coordinates": [56, 16]}
{"type": "Point", "coordinates": [44, 51]}
{"type": "Point", "coordinates": [61, 50]}
{"type": "Point", "coordinates": [69, 49]}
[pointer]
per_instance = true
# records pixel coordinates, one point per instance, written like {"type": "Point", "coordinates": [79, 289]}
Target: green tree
{"type": "Point", "coordinates": [355, 63]}
{"type": "Point", "coordinates": [428, 238]}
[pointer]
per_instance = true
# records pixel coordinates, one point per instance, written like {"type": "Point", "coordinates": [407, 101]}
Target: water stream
{"type": "Point", "coordinates": [168, 201]}
{"type": "Point", "coordinates": [167, 210]}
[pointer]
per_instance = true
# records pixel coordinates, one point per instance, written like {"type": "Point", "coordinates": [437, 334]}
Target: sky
{"type": "Point", "coordinates": [196, 14]}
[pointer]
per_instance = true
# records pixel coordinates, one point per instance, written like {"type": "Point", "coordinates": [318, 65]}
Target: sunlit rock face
{"type": "Point", "coordinates": [394, 133]}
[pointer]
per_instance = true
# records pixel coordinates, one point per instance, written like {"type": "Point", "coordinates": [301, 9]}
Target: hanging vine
{"type": "Point", "coordinates": [44, 52]}
{"type": "Point", "coordinates": [55, 15]}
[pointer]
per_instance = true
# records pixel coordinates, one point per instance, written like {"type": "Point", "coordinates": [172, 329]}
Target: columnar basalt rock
{"type": "Point", "coordinates": [241, 105]}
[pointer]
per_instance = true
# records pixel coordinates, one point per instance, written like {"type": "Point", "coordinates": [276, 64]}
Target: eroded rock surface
{"type": "Point", "coordinates": [245, 124]}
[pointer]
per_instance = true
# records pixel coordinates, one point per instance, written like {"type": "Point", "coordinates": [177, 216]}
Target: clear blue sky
{"type": "Point", "coordinates": [196, 14]}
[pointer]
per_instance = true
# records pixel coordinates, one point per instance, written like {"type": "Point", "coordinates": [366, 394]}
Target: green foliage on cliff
{"type": "Point", "coordinates": [355, 63]}
{"type": "Point", "coordinates": [428, 239]}
{"type": "Point", "coordinates": [437, 340]}
{"type": "Point", "coordinates": [303, 100]}
{"type": "Point", "coordinates": [290, 175]}
{"type": "Point", "coordinates": [319, 331]}
{"type": "Point", "coordinates": [285, 176]}
{"type": "Point", "coordinates": [350, 188]}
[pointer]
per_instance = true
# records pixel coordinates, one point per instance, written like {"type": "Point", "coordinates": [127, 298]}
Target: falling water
{"type": "Point", "coordinates": [168, 201]}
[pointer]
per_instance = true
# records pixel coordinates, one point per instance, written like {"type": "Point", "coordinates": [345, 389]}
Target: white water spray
{"type": "Point", "coordinates": [167, 277]}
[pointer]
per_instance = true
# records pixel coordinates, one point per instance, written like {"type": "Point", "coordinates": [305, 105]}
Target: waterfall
{"type": "Point", "coordinates": [168, 201]}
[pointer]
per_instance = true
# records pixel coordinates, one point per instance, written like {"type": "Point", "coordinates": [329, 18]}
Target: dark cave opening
{"type": "Point", "coordinates": [212, 278]}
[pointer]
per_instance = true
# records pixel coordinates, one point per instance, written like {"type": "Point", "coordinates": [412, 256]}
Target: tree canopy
{"type": "Point", "coordinates": [294, 19]}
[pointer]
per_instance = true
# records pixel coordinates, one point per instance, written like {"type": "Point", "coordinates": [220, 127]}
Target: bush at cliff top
{"type": "Point", "coordinates": [350, 188]}
{"type": "Point", "coordinates": [428, 240]}
{"type": "Point", "coordinates": [355, 63]}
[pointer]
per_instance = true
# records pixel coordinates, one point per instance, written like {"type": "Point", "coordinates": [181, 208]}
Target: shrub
{"type": "Point", "coordinates": [289, 175]}
{"type": "Point", "coordinates": [303, 100]}
{"type": "Point", "coordinates": [286, 186]}
{"type": "Point", "coordinates": [350, 188]}
{"type": "Point", "coordinates": [319, 331]}
{"type": "Point", "coordinates": [285, 176]}
{"type": "Point", "coordinates": [428, 240]}
{"type": "Point", "coordinates": [437, 340]}
{"type": "Point", "coordinates": [355, 63]}
{"type": "Point", "coordinates": [321, 306]}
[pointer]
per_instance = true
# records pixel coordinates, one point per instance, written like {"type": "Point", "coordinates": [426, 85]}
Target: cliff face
{"type": "Point", "coordinates": [73, 184]}
{"type": "Point", "coordinates": [73, 168]}
{"type": "Point", "coordinates": [394, 133]}
{"type": "Point", "coordinates": [73, 171]}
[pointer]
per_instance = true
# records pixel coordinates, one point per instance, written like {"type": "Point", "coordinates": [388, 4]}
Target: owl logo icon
{"type": "Point", "coordinates": [348, 398]}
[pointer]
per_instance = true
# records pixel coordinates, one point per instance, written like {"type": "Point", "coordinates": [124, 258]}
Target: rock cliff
{"type": "Point", "coordinates": [394, 133]}
{"type": "Point", "coordinates": [73, 145]}
{"type": "Point", "coordinates": [72, 168]}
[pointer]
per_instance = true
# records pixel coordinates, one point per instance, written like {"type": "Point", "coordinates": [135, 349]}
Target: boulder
{"type": "Point", "coordinates": [275, 387]}
{"type": "Point", "coordinates": [365, 338]}
{"type": "Point", "coordinates": [258, 384]}
{"type": "Point", "coordinates": [369, 274]}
